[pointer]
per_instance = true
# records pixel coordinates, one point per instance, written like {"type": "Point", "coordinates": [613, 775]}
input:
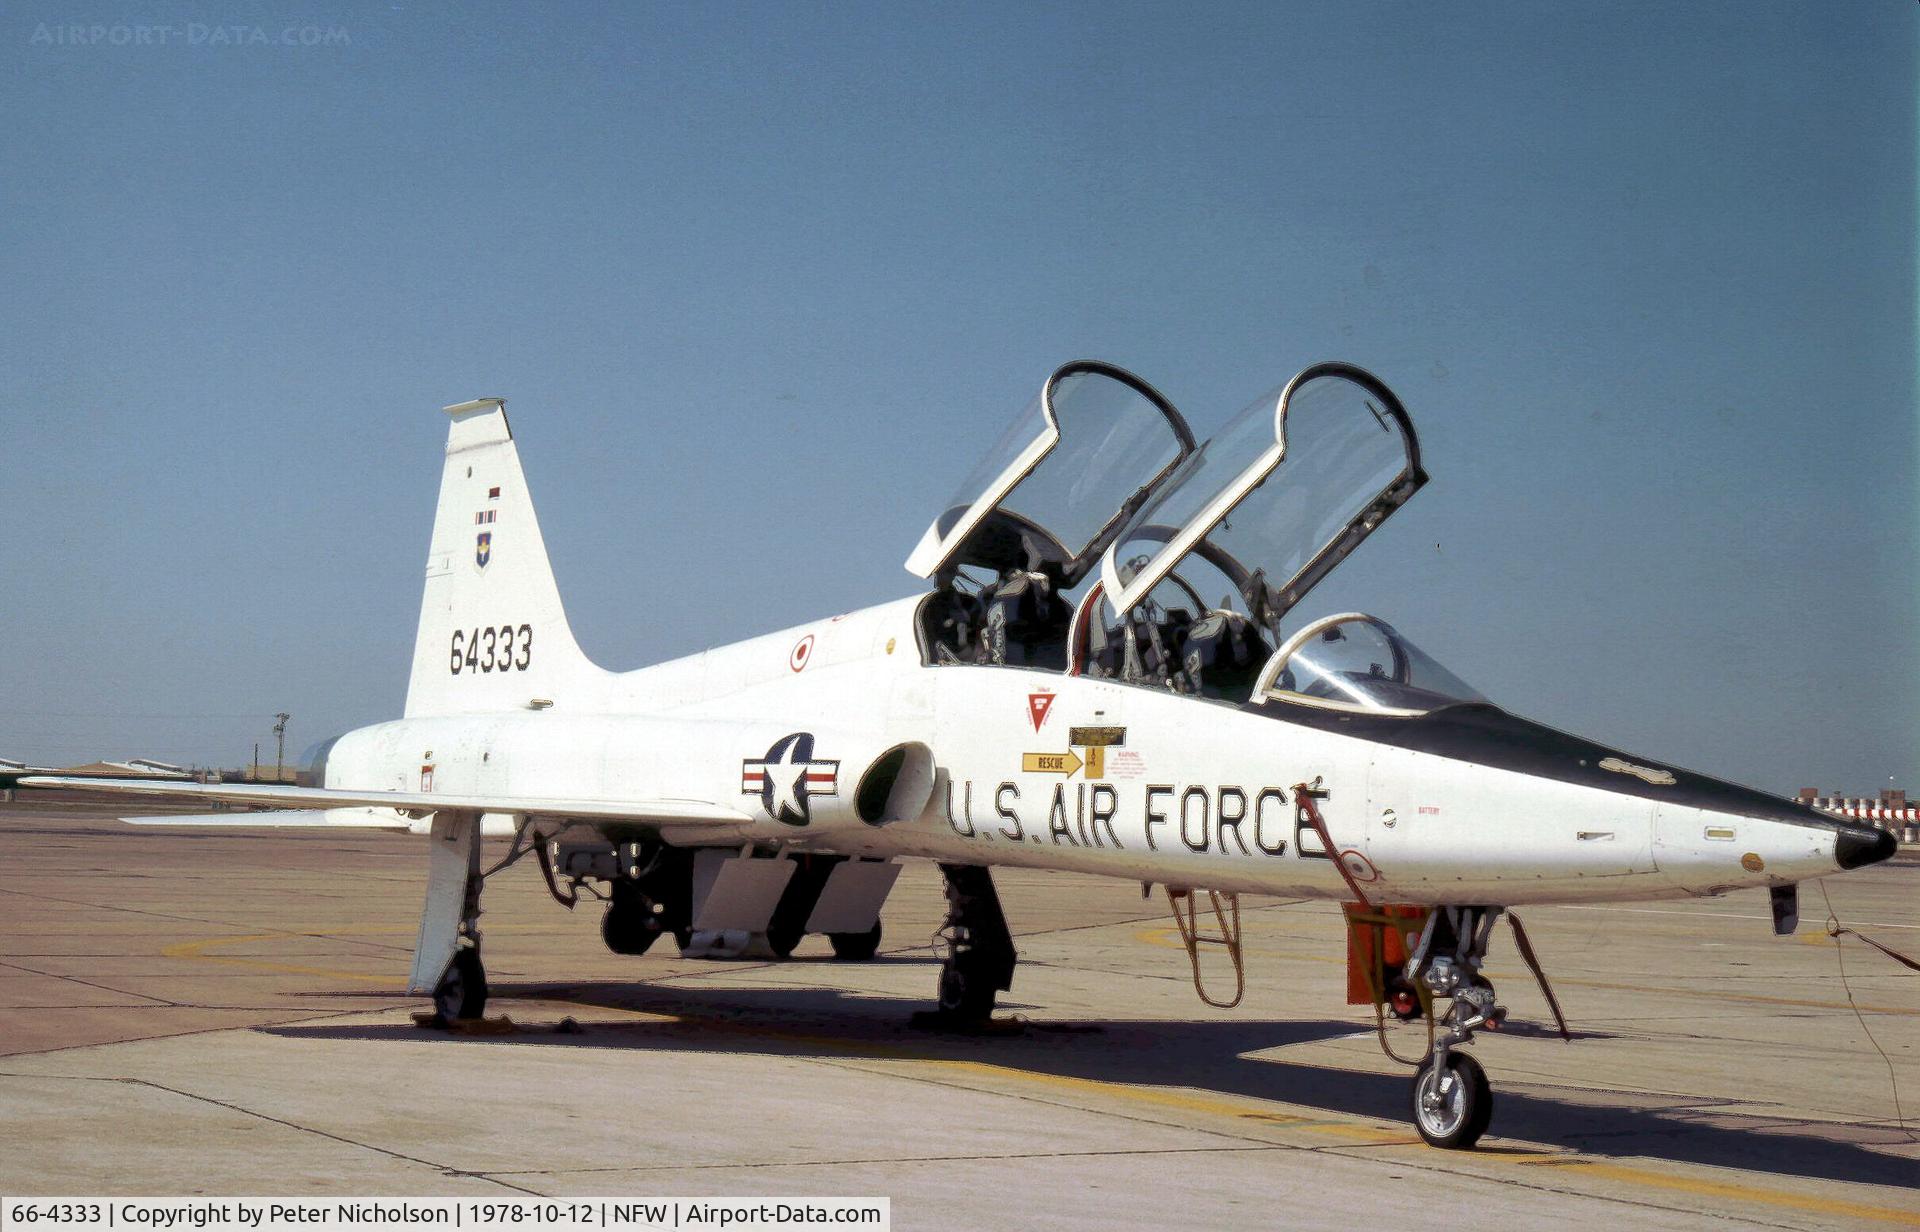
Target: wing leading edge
{"type": "Point", "coordinates": [316, 801]}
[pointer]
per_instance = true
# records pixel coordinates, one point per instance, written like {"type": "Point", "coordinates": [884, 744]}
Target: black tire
{"type": "Point", "coordinates": [788, 925]}
{"type": "Point", "coordinates": [783, 941]}
{"type": "Point", "coordinates": [461, 994]}
{"type": "Point", "coordinates": [626, 930]}
{"type": "Point", "coordinates": [856, 947]}
{"type": "Point", "coordinates": [1452, 1109]}
{"type": "Point", "coordinates": [964, 996]}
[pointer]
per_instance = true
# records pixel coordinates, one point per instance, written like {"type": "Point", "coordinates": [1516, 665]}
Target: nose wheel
{"type": "Point", "coordinates": [1452, 1100]}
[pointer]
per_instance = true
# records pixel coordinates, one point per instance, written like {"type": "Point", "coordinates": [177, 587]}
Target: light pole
{"type": "Point", "coordinates": [280, 740]}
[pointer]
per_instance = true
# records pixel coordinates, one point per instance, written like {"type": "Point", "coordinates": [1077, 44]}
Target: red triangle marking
{"type": "Point", "coordinates": [1038, 707]}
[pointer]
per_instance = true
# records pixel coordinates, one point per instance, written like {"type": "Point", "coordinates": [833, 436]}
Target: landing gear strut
{"type": "Point", "coordinates": [461, 992]}
{"type": "Point", "coordinates": [1452, 1100]}
{"type": "Point", "coordinates": [980, 954]}
{"type": "Point", "coordinates": [450, 921]}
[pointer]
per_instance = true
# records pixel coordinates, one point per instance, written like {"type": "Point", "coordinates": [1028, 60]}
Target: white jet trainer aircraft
{"type": "Point", "coordinates": [1066, 696]}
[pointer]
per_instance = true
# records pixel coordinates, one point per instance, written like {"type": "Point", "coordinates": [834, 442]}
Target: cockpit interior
{"type": "Point", "coordinates": [1099, 538]}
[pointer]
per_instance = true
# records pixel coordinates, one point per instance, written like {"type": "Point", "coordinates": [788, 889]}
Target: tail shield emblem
{"type": "Point", "coordinates": [483, 548]}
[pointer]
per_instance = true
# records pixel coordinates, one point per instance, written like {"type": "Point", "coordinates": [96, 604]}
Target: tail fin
{"type": "Point", "coordinates": [493, 635]}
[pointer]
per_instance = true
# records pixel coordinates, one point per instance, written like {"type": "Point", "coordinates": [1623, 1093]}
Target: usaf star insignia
{"type": "Point", "coordinates": [788, 777]}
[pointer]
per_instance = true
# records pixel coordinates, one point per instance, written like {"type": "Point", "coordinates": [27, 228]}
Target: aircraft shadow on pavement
{"type": "Point", "coordinates": [1209, 1056]}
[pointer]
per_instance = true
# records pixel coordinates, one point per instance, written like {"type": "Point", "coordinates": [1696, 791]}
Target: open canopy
{"type": "Point", "coordinates": [1280, 496]}
{"type": "Point", "coordinates": [1070, 469]}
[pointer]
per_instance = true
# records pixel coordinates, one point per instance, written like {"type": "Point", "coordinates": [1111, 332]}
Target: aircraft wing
{"type": "Point", "coordinates": [318, 819]}
{"type": "Point", "coordinates": [654, 812]}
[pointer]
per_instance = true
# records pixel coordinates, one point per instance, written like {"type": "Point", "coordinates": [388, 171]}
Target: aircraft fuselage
{"type": "Point", "coordinates": [1040, 769]}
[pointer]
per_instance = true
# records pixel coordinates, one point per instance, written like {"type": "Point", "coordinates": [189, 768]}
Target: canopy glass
{"type": "Point", "coordinates": [1280, 496]}
{"type": "Point", "coordinates": [1358, 662]}
{"type": "Point", "coordinates": [1071, 468]}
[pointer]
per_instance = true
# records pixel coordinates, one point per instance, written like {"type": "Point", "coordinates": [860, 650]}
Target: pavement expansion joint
{"type": "Point", "coordinates": [74, 979]}
{"type": "Point", "coordinates": [283, 1122]}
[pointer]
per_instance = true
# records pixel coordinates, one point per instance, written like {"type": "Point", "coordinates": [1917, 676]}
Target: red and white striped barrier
{"type": "Point", "coordinates": [1903, 819]}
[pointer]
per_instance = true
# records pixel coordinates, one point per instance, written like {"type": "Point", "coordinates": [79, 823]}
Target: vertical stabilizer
{"type": "Point", "coordinates": [493, 635]}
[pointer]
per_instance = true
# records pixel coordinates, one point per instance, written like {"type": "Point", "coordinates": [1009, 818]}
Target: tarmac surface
{"type": "Point", "coordinates": [187, 1012]}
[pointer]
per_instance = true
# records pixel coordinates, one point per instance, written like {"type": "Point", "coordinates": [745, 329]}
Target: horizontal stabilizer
{"type": "Point", "coordinates": [683, 812]}
{"type": "Point", "coordinates": [315, 819]}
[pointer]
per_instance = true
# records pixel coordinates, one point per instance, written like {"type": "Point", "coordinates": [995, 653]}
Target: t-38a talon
{"type": "Point", "coordinates": [1066, 693]}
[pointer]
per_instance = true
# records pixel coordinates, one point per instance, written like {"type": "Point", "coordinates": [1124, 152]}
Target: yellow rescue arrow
{"type": "Point", "coordinates": [1050, 763]}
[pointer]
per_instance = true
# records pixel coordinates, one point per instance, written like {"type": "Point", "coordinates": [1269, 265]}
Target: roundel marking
{"type": "Point", "coordinates": [802, 651]}
{"type": "Point", "coordinates": [1358, 866]}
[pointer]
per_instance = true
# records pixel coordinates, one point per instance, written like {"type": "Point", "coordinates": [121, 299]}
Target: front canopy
{"type": "Point", "coordinates": [1280, 496]}
{"type": "Point", "coordinates": [1069, 470]}
{"type": "Point", "coordinates": [1357, 662]}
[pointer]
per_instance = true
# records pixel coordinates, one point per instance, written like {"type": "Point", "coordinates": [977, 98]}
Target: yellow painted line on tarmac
{"type": "Point", "coordinates": [1361, 1134]}
{"type": "Point", "coordinates": [1701, 1188]}
{"type": "Point", "coordinates": [1370, 1135]}
{"type": "Point", "coordinates": [197, 950]}
{"type": "Point", "coordinates": [1181, 1101]}
{"type": "Point", "coordinates": [1354, 1133]}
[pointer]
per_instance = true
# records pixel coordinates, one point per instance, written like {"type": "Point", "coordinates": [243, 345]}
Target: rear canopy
{"type": "Point", "coordinates": [1082, 458]}
{"type": "Point", "coordinates": [1280, 496]}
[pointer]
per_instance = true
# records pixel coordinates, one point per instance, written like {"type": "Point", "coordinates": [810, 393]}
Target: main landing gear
{"type": "Point", "coordinates": [1452, 1100]}
{"type": "Point", "coordinates": [450, 924]}
{"type": "Point", "coordinates": [980, 954]}
{"type": "Point", "coordinates": [460, 994]}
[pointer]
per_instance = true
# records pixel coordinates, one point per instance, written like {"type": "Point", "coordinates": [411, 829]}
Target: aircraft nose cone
{"type": "Point", "coordinates": [1859, 846]}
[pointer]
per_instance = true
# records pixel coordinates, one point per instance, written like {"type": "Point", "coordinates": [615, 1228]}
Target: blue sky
{"type": "Point", "coordinates": [761, 281]}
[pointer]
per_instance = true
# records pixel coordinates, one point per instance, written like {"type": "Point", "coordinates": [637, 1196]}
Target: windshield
{"type": "Point", "coordinates": [1360, 662]}
{"type": "Point", "coordinates": [1282, 494]}
{"type": "Point", "coordinates": [1063, 476]}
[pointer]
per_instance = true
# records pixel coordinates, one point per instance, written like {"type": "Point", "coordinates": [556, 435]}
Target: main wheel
{"type": "Point", "coordinates": [1452, 1106]}
{"type": "Point", "coordinates": [461, 993]}
{"type": "Point", "coordinates": [783, 941]}
{"type": "Point", "coordinates": [967, 996]}
{"type": "Point", "coordinates": [856, 947]}
{"type": "Point", "coordinates": [626, 930]}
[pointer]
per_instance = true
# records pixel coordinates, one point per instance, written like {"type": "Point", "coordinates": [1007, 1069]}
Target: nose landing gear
{"type": "Point", "coordinates": [1452, 1100]}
